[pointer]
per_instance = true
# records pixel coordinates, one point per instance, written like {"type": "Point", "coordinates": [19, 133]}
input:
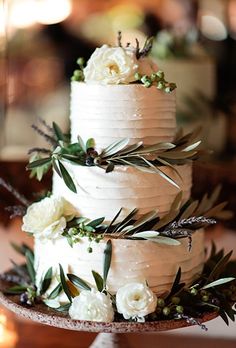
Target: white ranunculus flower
{"type": "Point", "coordinates": [46, 218]}
{"type": "Point", "coordinates": [92, 305]}
{"type": "Point", "coordinates": [135, 300]}
{"type": "Point", "coordinates": [111, 65]}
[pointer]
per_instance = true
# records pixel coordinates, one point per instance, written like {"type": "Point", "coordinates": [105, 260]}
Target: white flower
{"type": "Point", "coordinates": [46, 218]}
{"type": "Point", "coordinates": [111, 65]}
{"type": "Point", "coordinates": [135, 300]}
{"type": "Point", "coordinates": [92, 305]}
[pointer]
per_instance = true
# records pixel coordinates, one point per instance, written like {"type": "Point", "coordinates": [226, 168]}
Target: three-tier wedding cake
{"type": "Point", "coordinates": [121, 190]}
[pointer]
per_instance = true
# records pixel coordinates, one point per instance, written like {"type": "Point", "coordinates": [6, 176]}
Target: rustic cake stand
{"type": "Point", "coordinates": [110, 333]}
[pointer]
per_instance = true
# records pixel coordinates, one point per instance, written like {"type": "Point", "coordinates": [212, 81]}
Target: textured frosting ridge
{"type": "Point", "coordinates": [109, 113]}
{"type": "Point", "coordinates": [131, 260]}
{"type": "Point", "coordinates": [103, 194]}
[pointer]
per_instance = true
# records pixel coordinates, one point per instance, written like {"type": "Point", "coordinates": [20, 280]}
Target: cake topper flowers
{"type": "Point", "coordinates": [112, 65]}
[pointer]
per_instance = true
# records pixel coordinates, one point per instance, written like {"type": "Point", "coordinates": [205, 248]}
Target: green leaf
{"type": "Point", "coordinates": [64, 309]}
{"type": "Point", "coordinates": [189, 210]}
{"type": "Point", "coordinates": [107, 261]}
{"type": "Point", "coordinates": [81, 143]}
{"type": "Point", "coordinates": [125, 221]}
{"type": "Point", "coordinates": [161, 173]}
{"type": "Point", "coordinates": [192, 146]}
{"type": "Point", "coordinates": [38, 163]}
{"type": "Point", "coordinates": [55, 167]}
{"type": "Point", "coordinates": [67, 178]}
{"type": "Point", "coordinates": [219, 267]}
{"type": "Point", "coordinates": [30, 265]}
{"type": "Point", "coordinates": [114, 148]}
{"type": "Point", "coordinates": [80, 283]}
{"type": "Point", "coordinates": [174, 211]}
{"type": "Point", "coordinates": [178, 155]}
{"type": "Point", "coordinates": [46, 281]}
{"type": "Point", "coordinates": [218, 282]}
{"type": "Point", "coordinates": [55, 292]}
{"type": "Point", "coordinates": [90, 144]}
{"type": "Point", "coordinates": [64, 284]}
{"type": "Point", "coordinates": [155, 148]}
{"type": "Point", "coordinates": [17, 289]}
{"type": "Point", "coordinates": [96, 222]}
{"type": "Point", "coordinates": [143, 220]}
{"type": "Point", "coordinates": [58, 133]}
{"type": "Point", "coordinates": [215, 210]}
{"type": "Point", "coordinates": [176, 286]}
{"type": "Point", "coordinates": [130, 149]}
{"type": "Point", "coordinates": [79, 160]}
{"type": "Point", "coordinates": [164, 240]}
{"type": "Point", "coordinates": [21, 249]}
{"type": "Point", "coordinates": [113, 220]}
{"type": "Point", "coordinates": [145, 234]}
{"type": "Point", "coordinates": [98, 280]}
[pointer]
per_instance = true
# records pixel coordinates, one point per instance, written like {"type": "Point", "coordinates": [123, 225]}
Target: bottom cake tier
{"type": "Point", "coordinates": [132, 260]}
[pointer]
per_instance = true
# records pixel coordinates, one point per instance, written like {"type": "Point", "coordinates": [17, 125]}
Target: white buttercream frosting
{"type": "Point", "coordinates": [132, 261]}
{"type": "Point", "coordinates": [113, 112]}
{"type": "Point", "coordinates": [103, 194]}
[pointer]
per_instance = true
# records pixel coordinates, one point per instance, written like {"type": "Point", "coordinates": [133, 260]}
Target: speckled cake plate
{"type": "Point", "coordinates": [44, 315]}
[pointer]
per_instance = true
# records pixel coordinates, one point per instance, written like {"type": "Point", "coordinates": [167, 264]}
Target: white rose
{"type": "Point", "coordinates": [111, 65]}
{"type": "Point", "coordinates": [135, 300]}
{"type": "Point", "coordinates": [45, 218]}
{"type": "Point", "coordinates": [92, 305]}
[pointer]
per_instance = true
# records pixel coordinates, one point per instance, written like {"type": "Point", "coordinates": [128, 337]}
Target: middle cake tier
{"type": "Point", "coordinates": [101, 194]}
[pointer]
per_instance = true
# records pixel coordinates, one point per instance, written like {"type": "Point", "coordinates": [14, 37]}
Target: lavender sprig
{"type": "Point", "coordinates": [39, 149]}
{"type": "Point", "coordinates": [43, 122]}
{"type": "Point", "coordinates": [191, 221]}
{"type": "Point", "coordinates": [47, 137]}
{"type": "Point", "coordinates": [11, 278]}
{"type": "Point", "coordinates": [119, 38]}
{"type": "Point", "coordinates": [191, 320]}
{"type": "Point", "coordinates": [16, 210]}
{"type": "Point", "coordinates": [14, 192]}
{"type": "Point", "coordinates": [179, 233]}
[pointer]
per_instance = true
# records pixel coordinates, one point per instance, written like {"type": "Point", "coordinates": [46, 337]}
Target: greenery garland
{"type": "Point", "coordinates": [147, 158]}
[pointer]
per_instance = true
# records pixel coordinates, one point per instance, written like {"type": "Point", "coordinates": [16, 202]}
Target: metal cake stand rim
{"type": "Point", "coordinates": [42, 314]}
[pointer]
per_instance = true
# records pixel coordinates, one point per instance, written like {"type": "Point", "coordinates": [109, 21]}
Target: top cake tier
{"type": "Point", "coordinates": [109, 113]}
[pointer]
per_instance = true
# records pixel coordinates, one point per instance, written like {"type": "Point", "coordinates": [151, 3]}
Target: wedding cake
{"type": "Point", "coordinates": [122, 183]}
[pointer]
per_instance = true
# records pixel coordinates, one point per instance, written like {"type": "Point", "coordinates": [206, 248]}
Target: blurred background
{"type": "Point", "coordinates": [195, 45]}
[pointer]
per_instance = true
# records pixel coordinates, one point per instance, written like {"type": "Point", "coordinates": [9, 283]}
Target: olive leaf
{"type": "Point", "coordinates": [58, 133]}
{"type": "Point", "coordinates": [14, 290]}
{"type": "Point", "coordinates": [30, 265]}
{"type": "Point", "coordinates": [114, 148]}
{"type": "Point", "coordinates": [64, 284]}
{"type": "Point", "coordinates": [46, 281]}
{"type": "Point", "coordinates": [107, 261]}
{"type": "Point", "coordinates": [55, 292]}
{"type": "Point", "coordinates": [145, 234]}
{"type": "Point", "coordinates": [67, 178]}
{"type": "Point", "coordinates": [80, 283]}
{"type": "Point", "coordinates": [38, 163]}
{"type": "Point", "coordinates": [218, 282]}
{"type": "Point", "coordinates": [164, 240]}
{"type": "Point", "coordinates": [98, 280]}
{"type": "Point", "coordinates": [96, 222]}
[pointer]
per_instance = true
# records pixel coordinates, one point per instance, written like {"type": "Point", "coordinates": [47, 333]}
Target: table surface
{"type": "Point", "coordinates": [33, 335]}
